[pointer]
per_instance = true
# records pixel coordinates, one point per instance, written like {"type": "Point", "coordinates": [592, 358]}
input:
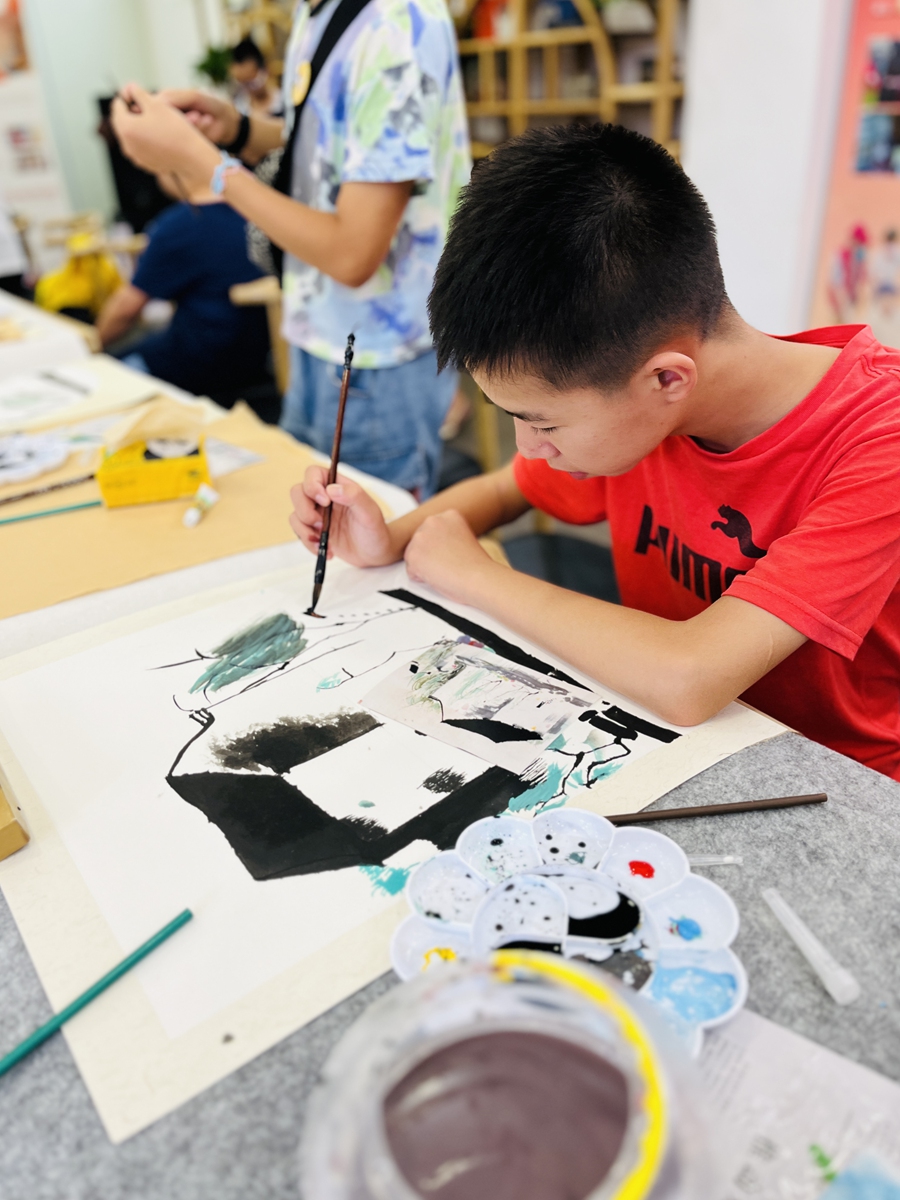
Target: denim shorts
{"type": "Point", "coordinates": [391, 423]}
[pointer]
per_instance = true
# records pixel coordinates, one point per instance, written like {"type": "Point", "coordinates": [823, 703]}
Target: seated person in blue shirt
{"type": "Point", "coordinates": [196, 252]}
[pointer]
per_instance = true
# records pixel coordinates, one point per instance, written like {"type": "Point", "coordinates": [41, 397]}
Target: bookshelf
{"type": "Point", "coordinates": [527, 76]}
{"type": "Point", "coordinates": [268, 22]}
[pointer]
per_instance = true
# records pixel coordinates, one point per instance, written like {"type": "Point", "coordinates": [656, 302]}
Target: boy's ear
{"type": "Point", "coordinates": [671, 373]}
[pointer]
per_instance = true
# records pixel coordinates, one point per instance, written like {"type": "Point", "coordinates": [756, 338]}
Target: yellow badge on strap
{"type": "Point", "coordinates": [301, 83]}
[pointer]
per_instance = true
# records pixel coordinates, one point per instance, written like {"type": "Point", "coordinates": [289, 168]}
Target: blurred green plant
{"type": "Point", "coordinates": [214, 65]}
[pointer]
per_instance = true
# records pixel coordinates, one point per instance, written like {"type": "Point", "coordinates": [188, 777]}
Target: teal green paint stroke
{"type": "Point", "coordinates": [331, 681]}
{"type": "Point", "coordinates": [387, 880]}
{"type": "Point", "coordinates": [605, 772]}
{"type": "Point", "coordinates": [547, 793]}
{"type": "Point", "coordinates": [692, 993]}
{"type": "Point", "coordinates": [269, 643]}
{"type": "Point", "coordinates": [541, 793]}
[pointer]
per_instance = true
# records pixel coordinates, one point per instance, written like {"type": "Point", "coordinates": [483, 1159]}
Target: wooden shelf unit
{"type": "Point", "coordinates": [506, 77]}
{"type": "Point", "coordinates": [269, 23]}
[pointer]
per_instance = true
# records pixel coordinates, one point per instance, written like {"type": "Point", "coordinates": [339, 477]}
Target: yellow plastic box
{"type": "Point", "coordinates": [149, 471]}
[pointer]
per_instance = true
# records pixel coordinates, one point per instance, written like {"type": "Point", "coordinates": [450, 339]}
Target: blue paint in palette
{"type": "Point", "coordinates": [866, 1178]}
{"type": "Point", "coordinates": [693, 993]}
{"type": "Point", "coordinates": [685, 927]}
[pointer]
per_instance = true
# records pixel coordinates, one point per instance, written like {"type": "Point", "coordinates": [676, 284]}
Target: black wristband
{"type": "Point", "coordinates": [243, 136]}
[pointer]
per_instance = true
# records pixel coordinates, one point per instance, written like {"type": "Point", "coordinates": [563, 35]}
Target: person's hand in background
{"type": "Point", "coordinates": [160, 138]}
{"type": "Point", "coordinates": [216, 119]}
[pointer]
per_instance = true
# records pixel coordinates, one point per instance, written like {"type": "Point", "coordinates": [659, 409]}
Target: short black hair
{"type": "Point", "coordinates": [574, 253]}
{"type": "Point", "coordinates": [245, 49]}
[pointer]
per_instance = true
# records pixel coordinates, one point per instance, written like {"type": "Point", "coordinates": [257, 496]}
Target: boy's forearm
{"type": "Point", "coordinates": [632, 652]}
{"type": "Point", "coordinates": [486, 502]}
{"type": "Point", "coordinates": [684, 671]}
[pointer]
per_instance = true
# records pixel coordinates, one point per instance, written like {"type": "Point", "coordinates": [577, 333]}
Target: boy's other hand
{"type": "Point", "coordinates": [359, 533]}
{"type": "Point", "coordinates": [216, 118]}
{"type": "Point", "coordinates": [444, 553]}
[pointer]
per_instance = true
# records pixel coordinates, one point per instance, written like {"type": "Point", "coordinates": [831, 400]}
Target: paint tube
{"type": "Point", "coordinates": [205, 498]}
{"type": "Point", "coordinates": [837, 980]}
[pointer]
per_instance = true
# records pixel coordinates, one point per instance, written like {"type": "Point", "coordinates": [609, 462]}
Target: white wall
{"type": "Point", "coordinates": [763, 83]}
{"type": "Point", "coordinates": [84, 49]}
{"type": "Point", "coordinates": [178, 32]}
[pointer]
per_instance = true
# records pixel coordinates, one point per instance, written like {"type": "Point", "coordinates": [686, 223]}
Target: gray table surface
{"type": "Point", "coordinates": [836, 863]}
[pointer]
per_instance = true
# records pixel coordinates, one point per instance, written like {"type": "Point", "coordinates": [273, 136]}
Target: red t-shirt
{"type": "Point", "coordinates": [803, 521]}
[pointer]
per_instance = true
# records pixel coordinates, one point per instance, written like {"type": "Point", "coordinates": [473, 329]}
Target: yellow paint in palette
{"type": "Point", "coordinates": [157, 469]}
{"type": "Point", "coordinates": [439, 954]}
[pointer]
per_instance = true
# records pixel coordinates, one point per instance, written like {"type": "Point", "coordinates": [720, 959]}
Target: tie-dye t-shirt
{"type": "Point", "coordinates": [386, 107]}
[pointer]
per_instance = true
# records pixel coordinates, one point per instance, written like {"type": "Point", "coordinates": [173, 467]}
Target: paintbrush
{"type": "Point", "coordinates": [42, 491]}
{"type": "Point", "coordinates": [715, 810]}
{"type": "Point", "coordinates": [322, 559]}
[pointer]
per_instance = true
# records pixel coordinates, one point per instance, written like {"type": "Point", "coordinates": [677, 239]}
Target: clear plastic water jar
{"type": "Point", "coordinates": [520, 1077]}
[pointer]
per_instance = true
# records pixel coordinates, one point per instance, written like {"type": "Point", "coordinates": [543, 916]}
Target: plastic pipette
{"type": "Point", "coordinates": [716, 860]}
{"type": "Point", "coordinates": [837, 981]}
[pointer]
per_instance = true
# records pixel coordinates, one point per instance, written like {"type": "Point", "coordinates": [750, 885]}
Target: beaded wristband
{"type": "Point", "coordinates": [226, 167]}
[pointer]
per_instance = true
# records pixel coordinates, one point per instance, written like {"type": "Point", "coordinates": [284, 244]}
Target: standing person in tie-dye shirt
{"type": "Point", "coordinates": [380, 156]}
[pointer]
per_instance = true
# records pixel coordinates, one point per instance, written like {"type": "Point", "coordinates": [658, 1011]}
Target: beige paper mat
{"type": "Point", "coordinates": [57, 558]}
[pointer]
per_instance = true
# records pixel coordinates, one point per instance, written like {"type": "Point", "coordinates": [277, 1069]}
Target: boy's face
{"type": "Point", "coordinates": [585, 431]}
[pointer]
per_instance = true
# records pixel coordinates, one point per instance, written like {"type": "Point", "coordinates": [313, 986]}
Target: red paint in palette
{"type": "Point", "coordinates": [638, 867]}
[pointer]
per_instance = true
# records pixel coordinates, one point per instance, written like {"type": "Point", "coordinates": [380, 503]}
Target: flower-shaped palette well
{"type": "Point", "coordinates": [571, 883]}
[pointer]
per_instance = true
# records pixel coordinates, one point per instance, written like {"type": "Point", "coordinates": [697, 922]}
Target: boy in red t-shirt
{"type": "Point", "coordinates": [752, 484]}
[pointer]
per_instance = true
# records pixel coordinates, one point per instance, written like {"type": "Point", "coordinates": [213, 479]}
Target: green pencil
{"type": "Point", "coordinates": [41, 1035]}
{"type": "Point", "coordinates": [51, 512]}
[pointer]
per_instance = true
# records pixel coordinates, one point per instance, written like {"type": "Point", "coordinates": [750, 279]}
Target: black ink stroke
{"type": "Point", "coordinates": [291, 741]}
{"type": "Point", "coordinates": [277, 831]}
{"type": "Point", "coordinates": [443, 781]}
{"type": "Point", "coordinates": [494, 731]}
{"type": "Point", "coordinates": [625, 725]}
{"type": "Point", "coordinates": [487, 637]}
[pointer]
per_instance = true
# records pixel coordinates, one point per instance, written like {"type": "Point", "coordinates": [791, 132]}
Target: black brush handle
{"type": "Point", "coordinates": [322, 557]}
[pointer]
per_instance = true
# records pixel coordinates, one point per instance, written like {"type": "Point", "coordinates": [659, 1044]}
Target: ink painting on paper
{"type": "Point", "coordinates": [282, 775]}
{"type": "Point", "coordinates": [284, 812]}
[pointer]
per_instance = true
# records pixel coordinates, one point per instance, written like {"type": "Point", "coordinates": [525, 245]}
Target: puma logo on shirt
{"type": "Point", "coordinates": [737, 526]}
{"type": "Point", "coordinates": [705, 576]}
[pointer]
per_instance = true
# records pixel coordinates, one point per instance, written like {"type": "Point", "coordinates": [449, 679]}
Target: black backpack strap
{"type": "Point", "coordinates": [343, 16]}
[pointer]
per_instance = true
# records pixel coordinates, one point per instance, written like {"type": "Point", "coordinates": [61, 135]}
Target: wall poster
{"type": "Point", "coordinates": [858, 274]}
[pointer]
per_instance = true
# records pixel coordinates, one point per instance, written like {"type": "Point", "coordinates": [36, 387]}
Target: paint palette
{"type": "Point", "coordinates": [569, 882]}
